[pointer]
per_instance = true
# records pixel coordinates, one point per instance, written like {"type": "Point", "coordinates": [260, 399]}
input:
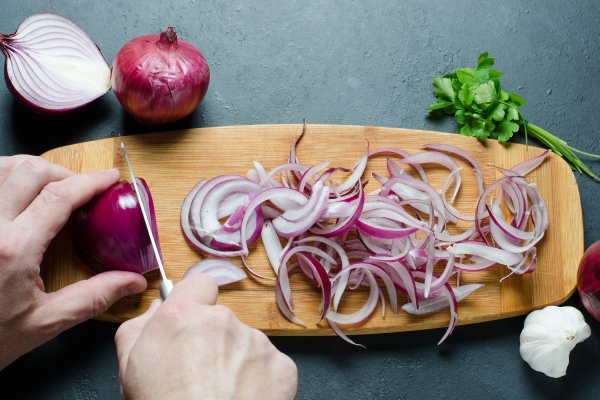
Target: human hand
{"type": "Point", "coordinates": [189, 348]}
{"type": "Point", "coordinates": [36, 200]}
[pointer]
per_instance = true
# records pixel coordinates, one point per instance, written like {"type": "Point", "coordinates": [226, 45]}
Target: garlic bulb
{"type": "Point", "coordinates": [548, 337]}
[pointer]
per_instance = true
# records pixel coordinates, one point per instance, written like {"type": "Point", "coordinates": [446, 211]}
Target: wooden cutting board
{"type": "Point", "coordinates": [173, 162]}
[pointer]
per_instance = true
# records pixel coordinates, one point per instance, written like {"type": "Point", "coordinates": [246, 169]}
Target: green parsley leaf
{"type": "Point", "coordinates": [504, 130]}
{"type": "Point", "coordinates": [496, 111]}
{"type": "Point", "coordinates": [460, 116]}
{"type": "Point", "coordinates": [483, 75]}
{"type": "Point", "coordinates": [494, 74]}
{"type": "Point", "coordinates": [467, 94]}
{"type": "Point", "coordinates": [467, 76]}
{"type": "Point", "coordinates": [484, 62]}
{"type": "Point", "coordinates": [440, 104]}
{"type": "Point", "coordinates": [517, 99]}
{"type": "Point", "coordinates": [486, 93]}
{"type": "Point", "coordinates": [442, 87]}
{"type": "Point", "coordinates": [512, 114]}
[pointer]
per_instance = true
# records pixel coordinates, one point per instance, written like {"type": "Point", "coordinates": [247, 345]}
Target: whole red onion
{"type": "Point", "coordinates": [160, 79]}
{"type": "Point", "coordinates": [588, 280]}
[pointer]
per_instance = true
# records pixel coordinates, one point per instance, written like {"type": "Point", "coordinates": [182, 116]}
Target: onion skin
{"type": "Point", "coordinates": [160, 79]}
{"type": "Point", "coordinates": [588, 280]}
{"type": "Point", "coordinates": [110, 233]}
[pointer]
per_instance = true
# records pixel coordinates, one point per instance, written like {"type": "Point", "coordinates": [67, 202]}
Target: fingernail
{"type": "Point", "coordinates": [113, 171]}
{"type": "Point", "coordinates": [155, 303]}
{"type": "Point", "coordinates": [133, 288]}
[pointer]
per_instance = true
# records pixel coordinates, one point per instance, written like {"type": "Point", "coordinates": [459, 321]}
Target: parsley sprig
{"type": "Point", "coordinates": [484, 110]}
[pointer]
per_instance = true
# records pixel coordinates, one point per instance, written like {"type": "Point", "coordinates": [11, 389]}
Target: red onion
{"type": "Point", "coordinates": [342, 239]}
{"type": "Point", "coordinates": [588, 280]}
{"type": "Point", "coordinates": [160, 79]}
{"type": "Point", "coordinates": [222, 271]}
{"type": "Point", "coordinates": [110, 232]}
{"type": "Point", "coordinates": [52, 65]}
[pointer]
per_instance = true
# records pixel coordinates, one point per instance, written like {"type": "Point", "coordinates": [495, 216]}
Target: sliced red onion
{"type": "Point", "coordinates": [438, 158]}
{"type": "Point", "coordinates": [380, 272]}
{"type": "Point", "coordinates": [364, 312]}
{"type": "Point", "coordinates": [438, 301]}
{"type": "Point", "coordinates": [341, 334]}
{"type": "Point", "coordinates": [404, 154]}
{"type": "Point", "coordinates": [187, 228]}
{"type": "Point", "coordinates": [222, 271]}
{"type": "Point", "coordinates": [52, 65]}
{"type": "Point", "coordinates": [317, 200]}
{"type": "Point", "coordinates": [321, 278]}
{"type": "Point", "coordinates": [311, 172]}
{"type": "Point", "coordinates": [498, 256]}
{"type": "Point", "coordinates": [343, 224]}
{"type": "Point", "coordinates": [283, 278]}
{"type": "Point", "coordinates": [285, 310]}
{"type": "Point", "coordinates": [525, 167]}
{"type": "Point", "coordinates": [448, 293]}
{"type": "Point", "coordinates": [272, 245]}
{"type": "Point", "coordinates": [399, 235]}
{"type": "Point", "coordinates": [357, 172]}
{"type": "Point", "coordinates": [461, 153]}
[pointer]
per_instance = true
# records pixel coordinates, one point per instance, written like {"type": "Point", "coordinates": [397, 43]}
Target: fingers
{"type": "Point", "coordinates": [51, 209]}
{"type": "Point", "coordinates": [22, 178]}
{"type": "Point", "coordinates": [200, 289]}
{"type": "Point", "coordinates": [129, 332]}
{"type": "Point", "coordinates": [8, 164]}
{"type": "Point", "coordinates": [86, 299]}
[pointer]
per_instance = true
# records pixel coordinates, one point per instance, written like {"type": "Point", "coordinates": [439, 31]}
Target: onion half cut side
{"type": "Point", "coordinates": [52, 65]}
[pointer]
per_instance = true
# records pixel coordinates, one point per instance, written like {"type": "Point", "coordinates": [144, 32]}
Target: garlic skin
{"type": "Point", "coordinates": [548, 337]}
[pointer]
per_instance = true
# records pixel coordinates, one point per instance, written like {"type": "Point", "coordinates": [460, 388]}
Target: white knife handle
{"type": "Point", "coordinates": [165, 288]}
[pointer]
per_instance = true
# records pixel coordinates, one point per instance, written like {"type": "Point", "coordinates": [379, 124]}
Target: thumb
{"type": "Point", "coordinates": [86, 299]}
{"type": "Point", "coordinates": [129, 332]}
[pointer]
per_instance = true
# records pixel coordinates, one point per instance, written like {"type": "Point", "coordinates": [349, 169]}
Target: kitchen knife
{"type": "Point", "coordinates": [166, 285]}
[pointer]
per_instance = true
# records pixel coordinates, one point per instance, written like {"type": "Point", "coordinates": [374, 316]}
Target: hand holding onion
{"type": "Point", "coordinates": [190, 348]}
{"type": "Point", "coordinates": [36, 200]}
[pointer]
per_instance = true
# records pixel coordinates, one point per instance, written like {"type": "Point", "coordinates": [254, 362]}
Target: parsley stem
{"type": "Point", "coordinates": [561, 148]}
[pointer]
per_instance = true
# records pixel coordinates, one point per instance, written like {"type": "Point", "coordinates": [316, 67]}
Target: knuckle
{"type": "Point", "coordinates": [5, 164]}
{"type": "Point", "coordinates": [8, 250]}
{"type": "Point", "coordinates": [35, 165]}
{"type": "Point", "coordinates": [55, 193]}
{"type": "Point", "coordinates": [98, 302]}
{"type": "Point", "coordinates": [222, 314]}
{"type": "Point", "coordinates": [123, 330]}
{"type": "Point", "coordinates": [289, 365]}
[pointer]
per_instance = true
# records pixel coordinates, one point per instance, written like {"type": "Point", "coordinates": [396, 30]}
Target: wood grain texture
{"type": "Point", "coordinates": [173, 162]}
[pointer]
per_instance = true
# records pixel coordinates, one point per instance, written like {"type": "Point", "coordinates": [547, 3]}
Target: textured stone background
{"type": "Point", "coordinates": [339, 62]}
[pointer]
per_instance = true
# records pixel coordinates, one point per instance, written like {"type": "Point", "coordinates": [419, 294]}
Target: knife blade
{"type": "Point", "coordinates": [166, 285]}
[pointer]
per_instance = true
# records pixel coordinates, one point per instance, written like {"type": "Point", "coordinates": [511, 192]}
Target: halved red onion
{"type": "Point", "coordinates": [110, 232]}
{"type": "Point", "coordinates": [52, 65]}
